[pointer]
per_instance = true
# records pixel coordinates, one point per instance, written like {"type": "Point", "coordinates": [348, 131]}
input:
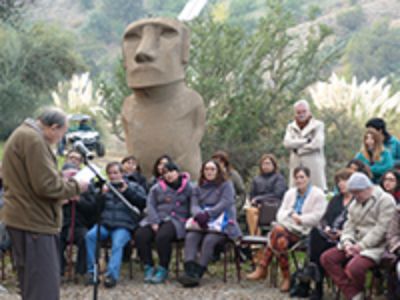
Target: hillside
{"type": "Point", "coordinates": [99, 31]}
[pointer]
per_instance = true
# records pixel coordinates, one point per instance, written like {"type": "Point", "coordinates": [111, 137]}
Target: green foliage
{"type": "Point", "coordinates": [351, 19]}
{"type": "Point", "coordinates": [123, 11]}
{"type": "Point", "coordinates": [32, 63]}
{"type": "Point", "coordinates": [10, 12]}
{"type": "Point", "coordinates": [164, 8]}
{"type": "Point", "coordinates": [87, 4]}
{"type": "Point", "coordinates": [343, 138]}
{"type": "Point", "coordinates": [314, 11]}
{"type": "Point", "coordinates": [375, 52]}
{"type": "Point", "coordinates": [249, 82]}
{"type": "Point", "coordinates": [114, 93]}
{"type": "Point", "coordinates": [100, 28]}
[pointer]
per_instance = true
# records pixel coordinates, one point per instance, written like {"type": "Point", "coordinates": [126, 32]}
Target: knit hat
{"type": "Point", "coordinates": [171, 166]}
{"type": "Point", "coordinates": [358, 181]}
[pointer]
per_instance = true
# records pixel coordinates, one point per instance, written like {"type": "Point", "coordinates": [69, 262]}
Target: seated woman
{"type": "Point", "coordinates": [393, 246]}
{"type": "Point", "coordinates": [302, 208]}
{"type": "Point", "coordinates": [374, 154]}
{"type": "Point", "coordinates": [390, 182]}
{"type": "Point", "coordinates": [358, 166]}
{"type": "Point", "coordinates": [213, 208]}
{"type": "Point", "coordinates": [132, 171]}
{"type": "Point", "coordinates": [118, 221]}
{"type": "Point", "coordinates": [158, 169]}
{"type": "Point", "coordinates": [269, 185]}
{"type": "Point", "coordinates": [168, 208]}
{"type": "Point", "coordinates": [222, 157]}
{"type": "Point", "coordinates": [327, 234]}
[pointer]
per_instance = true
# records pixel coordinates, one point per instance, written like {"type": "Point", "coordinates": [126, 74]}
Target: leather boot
{"type": "Point", "coordinates": [285, 285]}
{"type": "Point", "coordinates": [192, 275]}
{"type": "Point", "coordinates": [259, 273]}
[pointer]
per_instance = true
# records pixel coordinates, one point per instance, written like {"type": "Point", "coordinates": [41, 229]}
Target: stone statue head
{"type": "Point", "coordinates": [155, 51]}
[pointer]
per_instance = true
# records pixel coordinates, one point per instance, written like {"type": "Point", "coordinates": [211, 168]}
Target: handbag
{"type": "Point", "coordinates": [268, 209]}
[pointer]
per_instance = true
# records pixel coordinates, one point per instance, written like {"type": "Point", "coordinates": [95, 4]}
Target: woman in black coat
{"type": "Point", "coordinates": [327, 234]}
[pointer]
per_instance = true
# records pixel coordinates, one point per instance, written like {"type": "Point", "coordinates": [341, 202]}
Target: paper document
{"type": "Point", "coordinates": [86, 174]}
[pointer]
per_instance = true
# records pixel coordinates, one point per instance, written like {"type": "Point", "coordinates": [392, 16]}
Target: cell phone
{"type": "Point", "coordinates": [118, 184]}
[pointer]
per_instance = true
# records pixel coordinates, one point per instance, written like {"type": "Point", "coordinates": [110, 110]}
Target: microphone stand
{"type": "Point", "coordinates": [101, 181]}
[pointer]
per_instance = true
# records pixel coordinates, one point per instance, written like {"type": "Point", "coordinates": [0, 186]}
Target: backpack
{"type": "Point", "coordinates": [301, 280]}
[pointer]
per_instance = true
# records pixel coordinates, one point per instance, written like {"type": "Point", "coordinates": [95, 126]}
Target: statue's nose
{"type": "Point", "coordinates": [147, 49]}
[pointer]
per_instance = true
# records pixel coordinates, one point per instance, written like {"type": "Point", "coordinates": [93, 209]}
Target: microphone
{"type": "Point", "coordinates": [83, 150]}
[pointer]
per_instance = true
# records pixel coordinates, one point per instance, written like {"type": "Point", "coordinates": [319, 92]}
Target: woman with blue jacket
{"type": "Point", "coordinates": [374, 154]}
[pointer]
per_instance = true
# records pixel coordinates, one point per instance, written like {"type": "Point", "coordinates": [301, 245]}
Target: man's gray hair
{"type": "Point", "coordinates": [50, 116]}
{"type": "Point", "coordinates": [302, 102]}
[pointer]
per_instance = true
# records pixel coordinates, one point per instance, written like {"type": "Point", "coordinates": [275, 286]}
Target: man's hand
{"type": "Point", "coordinates": [124, 187]}
{"type": "Point", "coordinates": [74, 198]}
{"type": "Point", "coordinates": [352, 249]}
{"type": "Point", "coordinates": [348, 249]}
{"type": "Point", "coordinates": [105, 189]}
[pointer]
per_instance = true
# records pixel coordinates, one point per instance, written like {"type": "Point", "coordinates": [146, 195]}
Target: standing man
{"type": "Point", "coordinates": [33, 194]}
{"type": "Point", "coordinates": [305, 139]}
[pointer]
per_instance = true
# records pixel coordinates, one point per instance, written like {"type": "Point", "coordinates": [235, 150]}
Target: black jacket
{"type": "Point", "coordinates": [116, 214]}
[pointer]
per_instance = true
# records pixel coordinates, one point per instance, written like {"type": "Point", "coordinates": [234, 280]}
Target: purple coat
{"type": "Point", "coordinates": [216, 200]}
{"type": "Point", "coordinates": [167, 204]}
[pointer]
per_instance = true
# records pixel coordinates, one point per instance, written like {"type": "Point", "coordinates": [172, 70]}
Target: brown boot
{"type": "Point", "coordinates": [285, 285]}
{"type": "Point", "coordinates": [259, 273]}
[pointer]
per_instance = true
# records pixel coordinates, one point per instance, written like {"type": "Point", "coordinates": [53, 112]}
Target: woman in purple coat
{"type": "Point", "coordinates": [168, 208]}
{"type": "Point", "coordinates": [214, 214]}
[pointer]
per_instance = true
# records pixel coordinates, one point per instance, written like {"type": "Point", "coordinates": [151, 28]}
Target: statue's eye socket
{"type": "Point", "coordinates": [133, 36]}
{"type": "Point", "coordinates": [168, 32]}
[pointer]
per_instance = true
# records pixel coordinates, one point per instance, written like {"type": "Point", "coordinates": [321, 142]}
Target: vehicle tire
{"type": "Point", "coordinates": [100, 149]}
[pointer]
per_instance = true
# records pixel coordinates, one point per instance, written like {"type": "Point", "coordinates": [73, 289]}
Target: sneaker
{"type": "Point", "coordinates": [148, 273]}
{"type": "Point", "coordinates": [109, 281]}
{"type": "Point", "coordinates": [160, 276]}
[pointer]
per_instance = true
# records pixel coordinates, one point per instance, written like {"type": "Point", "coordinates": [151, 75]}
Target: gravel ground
{"type": "Point", "coordinates": [212, 288]}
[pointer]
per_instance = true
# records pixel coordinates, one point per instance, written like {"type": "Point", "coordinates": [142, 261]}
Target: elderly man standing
{"type": "Point", "coordinates": [33, 195]}
{"type": "Point", "coordinates": [304, 138]}
{"type": "Point", "coordinates": [362, 241]}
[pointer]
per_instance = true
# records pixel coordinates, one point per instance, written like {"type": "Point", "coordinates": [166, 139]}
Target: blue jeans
{"type": "Point", "coordinates": [119, 238]}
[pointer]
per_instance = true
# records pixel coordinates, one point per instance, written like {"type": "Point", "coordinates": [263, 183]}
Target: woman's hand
{"type": "Point", "coordinates": [202, 219]}
{"type": "Point", "coordinates": [296, 218]}
{"type": "Point", "coordinates": [154, 227]}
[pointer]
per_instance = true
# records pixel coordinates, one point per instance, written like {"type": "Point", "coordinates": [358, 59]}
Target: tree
{"type": "Point", "coordinates": [10, 11]}
{"type": "Point", "coordinates": [32, 63]}
{"type": "Point", "coordinates": [249, 82]}
{"type": "Point", "coordinates": [373, 52]}
{"type": "Point", "coordinates": [114, 93]}
{"type": "Point", "coordinates": [351, 19]}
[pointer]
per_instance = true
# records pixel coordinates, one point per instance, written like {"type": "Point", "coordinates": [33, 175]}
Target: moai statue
{"type": "Point", "coordinates": [162, 116]}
